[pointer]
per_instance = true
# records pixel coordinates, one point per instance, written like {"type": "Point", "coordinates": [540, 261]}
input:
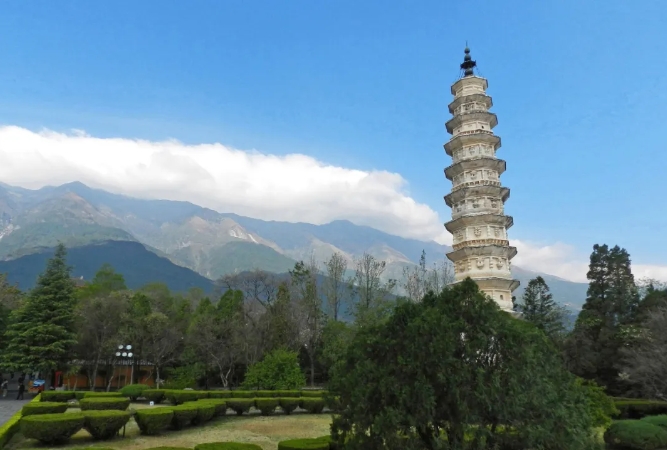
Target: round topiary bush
{"type": "Point", "coordinates": [240, 405]}
{"type": "Point", "coordinates": [51, 428]}
{"type": "Point", "coordinates": [220, 405]}
{"type": "Point", "coordinates": [304, 444]}
{"type": "Point", "coordinates": [32, 408]}
{"type": "Point", "coordinates": [154, 395]}
{"type": "Point", "coordinates": [289, 404]}
{"type": "Point", "coordinates": [94, 394]}
{"type": "Point", "coordinates": [133, 391]}
{"type": "Point", "coordinates": [57, 396]}
{"type": "Point", "coordinates": [266, 406]}
{"type": "Point", "coordinates": [184, 415]}
{"type": "Point", "coordinates": [104, 424]}
{"type": "Point", "coordinates": [205, 412]}
{"type": "Point", "coordinates": [153, 421]}
{"type": "Point", "coordinates": [227, 446]}
{"type": "Point", "coordinates": [312, 405]}
{"type": "Point", "coordinates": [180, 397]}
{"type": "Point", "coordinates": [635, 435]}
{"type": "Point", "coordinates": [98, 403]}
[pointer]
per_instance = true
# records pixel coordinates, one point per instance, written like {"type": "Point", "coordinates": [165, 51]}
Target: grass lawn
{"type": "Point", "coordinates": [263, 431]}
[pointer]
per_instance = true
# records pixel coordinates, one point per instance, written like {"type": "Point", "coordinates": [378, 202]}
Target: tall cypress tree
{"type": "Point", "coordinates": [42, 331]}
{"type": "Point", "coordinates": [539, 308]}
{"type": "Point", "coordinates": [606, 319]}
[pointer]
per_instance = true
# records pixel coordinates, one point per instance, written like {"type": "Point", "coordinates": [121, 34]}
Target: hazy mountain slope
{"type": "Point", "coordinates": [138, 265]}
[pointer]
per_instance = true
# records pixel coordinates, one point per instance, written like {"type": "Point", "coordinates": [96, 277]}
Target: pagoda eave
{"type": "Point", "coordinates": [477, 191]}
{"type": "Point", "coordinates": [478, 98]}
{"type": "Point", "coordinates": [464, 117]}
{"type": "Point", "coordinates": [484, 162]}
{"type": "Point", "coordinates": [498, 251]}
{"type": "Point", "coordinates": [481, 219]}
{"type": "Point", "coordinates": [469, 80]}
{"type": "Point", "coordinates": [476, 137]}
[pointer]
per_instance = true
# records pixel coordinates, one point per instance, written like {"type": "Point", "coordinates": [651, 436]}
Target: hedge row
{"type": "Point", "coordinates": [636, 409]}
{"type": "Point", "coordinates": [295, 444]}
{"type": "Point", "coordinates": [13, 425]}
{"type": "Point", "coordinates": [649, 433]}
{"type": "Point", "coordinates": [58, 428]}
{"type": "Point", "coordinates": [177, 397]}
{"type": "Point", "coordinates": [155, 421]}
{"type": "Point", "coordinates": [66, 396]}
{"type": "Point", "coordinates": [321, 443]}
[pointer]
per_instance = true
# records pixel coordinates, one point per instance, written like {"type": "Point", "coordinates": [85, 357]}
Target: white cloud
{"type": "Point", "coordinates": [291, 188]}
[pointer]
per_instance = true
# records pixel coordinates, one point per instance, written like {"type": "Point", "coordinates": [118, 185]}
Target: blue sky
{"type": "Point", "coordinates": [579, 89]}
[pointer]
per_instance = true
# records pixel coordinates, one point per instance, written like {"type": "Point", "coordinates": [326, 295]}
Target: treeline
{"type": "Point", "coordinates": [190, 338]}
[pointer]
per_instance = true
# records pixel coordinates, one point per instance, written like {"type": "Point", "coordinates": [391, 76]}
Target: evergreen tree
{"type": "Point", "coordinates": [539, 308]}
{"type": "Point", "coordinates": [42, 330]}
{"type": "Point", "coordinates": [606, 321]}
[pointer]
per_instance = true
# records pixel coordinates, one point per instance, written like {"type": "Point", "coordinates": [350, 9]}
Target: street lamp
{"type": "Point", "coordinates": [125, 352]}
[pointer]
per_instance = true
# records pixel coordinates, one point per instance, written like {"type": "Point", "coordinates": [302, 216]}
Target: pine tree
{"type": "Point", "coordinates": [42, 330]}
{"type": "Point", "coordinates": [607, 318]}
{"type": "Point", "coordinates": [539, 308]}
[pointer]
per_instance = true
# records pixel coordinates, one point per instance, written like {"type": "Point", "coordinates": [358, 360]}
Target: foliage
{"type": "Point", "coordinates": [636, 409]}
{"type": "Point", "coordinates": [539, 308]}
{"type": "Point", "coordinates": [267, 406]}
{"type": "Point", "coordinates": [179, 397]}
{"type": "Point", "coordinates": [134, 391]}
{"type": "Point", "coordinates": [154, 395]}
{"type": "Point", "coordinates": [312, 404]}
{"type": "Point", "coordinates": [205, 412]}
{"type": "Point", "coordinates": [240, 405]}
{"type": "Point", "coordinates": [32, 408]}
{"type": "Point", "coordinates": [105, 424]}
{"type": "Point", "coordinates": [419, 280]}
{"type": "Point", "coordinates": [153, 421]}
{"type": "Point", "coordinates": [371, 292]}
{"type": "Point", "coordinates": [304, 444]}
{"type": "Point", "coordinates": [600, 406]}
{"type": "Point", "coordinates": [57, 396]}
{"type": "Point", "coordinates": [42, 333]}
{"type": "Point", "coordinates": [184, 415]}
{"type": "Point", "coordinates": [336, 288]}
{"type": "Point", "coordinates": [227, 446]}
{"type": "Point", "coordinates": [635, 435]}
{"type": "Point", "coordinates": [400, 382]}
{"type": "Point", "coordinates": [51, 428]}
{"type": "Point", "coordinates": [278, 370]}
{"type": "Point", "coordinates": [289, 404]}
{"type": "Point", "coordinates": [660, 420]}
{"type": "Point", "coordinates": [219, 405]}
{"type": "Point", "coordinates": [104, 403]}
{"type": "Point", "coordinates": [183, 377]}
{"type": "Point", "coordinates": [91, 394]}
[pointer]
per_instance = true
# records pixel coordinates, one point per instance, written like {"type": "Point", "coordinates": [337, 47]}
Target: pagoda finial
{"type": "Point", "coordinates": [468, 64]}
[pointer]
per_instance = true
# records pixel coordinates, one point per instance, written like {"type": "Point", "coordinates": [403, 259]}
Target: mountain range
{"type": "Point", "coordinates": [186, 245]}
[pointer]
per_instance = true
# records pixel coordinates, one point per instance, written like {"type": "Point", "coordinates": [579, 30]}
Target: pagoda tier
{"type": "Point", "coordinates": [479, 227]}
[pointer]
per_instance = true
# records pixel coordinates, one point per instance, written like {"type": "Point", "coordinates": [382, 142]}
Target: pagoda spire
{"type": "Point", "coordinates": [468, 64]}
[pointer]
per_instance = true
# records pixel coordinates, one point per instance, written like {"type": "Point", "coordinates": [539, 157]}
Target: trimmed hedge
{"type": "Point", "coordinates": [153, 421]}
{"type": "Point", "coordinates": [220, 394]}
{"type": "Point", "coordinates": [312, 405]}
{"type": "Point", "coordinates": [287, 394]}
{"type": "Point", "coordinates": [267, 406]}
{"type": "Point", "coordinates": [184, 415]}
{"type": "Point", "coordinates": [51, 428]}
{"type": "Point", "coordinates": [660, 421]}
{"type": "Point", "coordinates": [104, 424]}
{"type": "Point", "coordinates": [288, 405]}
{"type": "Point", "coordinates": [227, 446]}
{"type": "Point", "coordinates": [30, 409]}
{"type": "Point", "coordinates": [304, 444]}
{"type": "Point", "coordinates": [13, 425]}
{"type": "Point", "coordinates": [154, 395]}
{"type": "Point", "coordinates": [635, 435]}
{"type": "Point", "coordinates": [243, 394]}
{"type": "Point", "coordinates": [169, 448]}
{"type": "Point", "coordinates": [636, 409]}
{"type": "Point", "coordinates": [205, 412]}
{"type": "Point", "coordinates": [95, 394]}
{"type": "Point", "coordinates": [180, 397]}
{"type": "Point", "coordinates": [220, 405]}
{"type": "Point", "coordinates": [104, 403]}
{"type": "Point", "coordinates": [240, 405]}
{"type": "Point", "coordinates": [57, 396]}
{"type": "Point", "coordinates": [133, 391]}
{"type": "Point", "coordinates": [318, 394]}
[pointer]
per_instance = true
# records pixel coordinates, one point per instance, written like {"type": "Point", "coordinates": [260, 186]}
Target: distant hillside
{"type": "Point", "coordinates": [138, 265]}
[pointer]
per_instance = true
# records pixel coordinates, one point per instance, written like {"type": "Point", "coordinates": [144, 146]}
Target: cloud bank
{"type": "Point", "coordinates": [294, 188]}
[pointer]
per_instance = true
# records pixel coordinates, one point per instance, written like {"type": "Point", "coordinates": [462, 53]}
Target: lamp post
{"type": "Point", "coordinates": [125, 352]}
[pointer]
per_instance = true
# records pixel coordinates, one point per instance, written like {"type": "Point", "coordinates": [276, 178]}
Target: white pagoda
{"type": "Point", "coordinates": [479, 226]}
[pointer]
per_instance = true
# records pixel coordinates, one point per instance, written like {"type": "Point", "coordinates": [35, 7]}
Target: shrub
{"type": "Point", "coordinates": [12, 426]}
{"type": "Point", "coordinates": [180, 397]}
{"type": "Point", "coordinates": [287, 393]}
{"type": "Point", "coordinates": [635, 435]}
{"type": "Point", "coordinates": [242, 394]}
{"type": "Point", "coordinates": [98, 403]}
{"type": "Point", "coordinates": [636, 409]}
{"type": "Point", "coordinates": [91, 394]}
{"type": "Point", "coordinates": [153, 421]}
{"type": "Point", "coordinates": [304, 444]}
{"type": "Point", "coordinates": [57, 396]}
{"type": "Point", "coordinates": [51, 428]}
{"type": "Point", "coordinates": [312, 405]}
{"type": "Point", "coordinates": [333, 403]}
{"type": "Point", "coordinates": [227, 446]}
{"type": "Point", "coordinates": [154, 395]}
{"type": "Point", "coordinates": [220, 394]}
{"type": "Point", "coordinates": [168, 448]}
{"type": "Point", "coordinates": [33, 408]}
{"type": "Point", "coordinates": [660, 421]}
{"type": "Point", "coordinates": [315, 393]}
{"type": "Point", "coordinates": [267, 406]}
{"type": "Point", "coordinates": [278, 370]}
{"type": "Point", "coordinates": [265, 394]}
{"type": "Point", "coordinates": [183, 415]}
{"type": "Point", "coordinates": [104, 424]}
{"type": "Point", "coordinates": [329, 440]}
{"type": "Point", "coordinates": [205, 412]}
{"type": "Point", "coordinates": [288, 405]}
{"type": "Point", "coordinates": [240, 405]}
{"type": "Point", "coordinates": [220, 405]}
{"type": "Point", "coordinates": [79, 394]}
{"type": "Point", "coordinates": [600, 406]}
{"type": "Point", "coordinates": [201, 395]}
{"type": "Point", "coordinates": [133, 391]}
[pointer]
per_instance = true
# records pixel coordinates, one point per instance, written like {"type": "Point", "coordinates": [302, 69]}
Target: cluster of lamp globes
{"type": "Point", "coordinates": [124, 351]}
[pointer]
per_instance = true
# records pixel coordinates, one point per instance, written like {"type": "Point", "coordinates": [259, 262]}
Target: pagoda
{"type": "Point", "coordinates": [479, 225]}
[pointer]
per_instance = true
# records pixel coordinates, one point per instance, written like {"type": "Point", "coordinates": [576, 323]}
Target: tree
{"type": "Point", "coordinates": [456, 365]}
{"type": "Point", "coordinates": [607, 319]}
{"type": "Point", "coordinates": [10, 300]}
{"type": "Point", "coordinates": [539, 308]}
{"type": "Point", "coordinates": [277, 371]}
{"type": "Point", "coordinates": [335, 286]}
{"type": "Point", "coordinates": [106, 280]}
{"type": "Point", "coordinates": [371, 303]}
{"type": "Point", "coordinates": [418, 280]}
{"type": "Point", "coordinates": [42, 331]}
